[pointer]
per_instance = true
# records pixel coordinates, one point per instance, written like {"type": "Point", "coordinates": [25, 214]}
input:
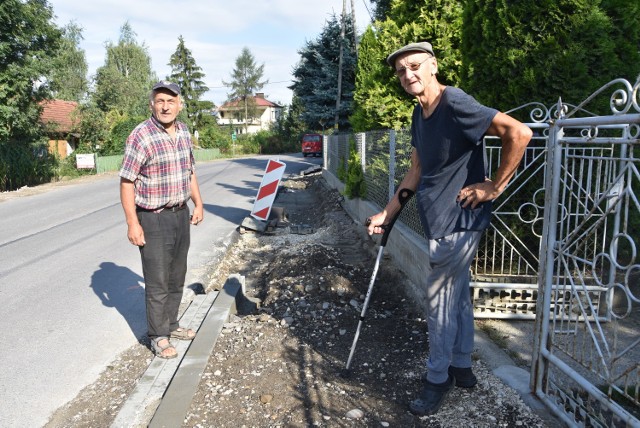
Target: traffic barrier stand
{"type": "Point", "coordinates": [259, 219]}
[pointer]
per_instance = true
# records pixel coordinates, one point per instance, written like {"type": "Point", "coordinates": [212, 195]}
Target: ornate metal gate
{"type": "Point", "coordinates": [586, 362]}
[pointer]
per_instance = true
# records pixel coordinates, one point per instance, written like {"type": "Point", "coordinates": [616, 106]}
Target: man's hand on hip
{"type": "Point", "coordinates": [475, 194]}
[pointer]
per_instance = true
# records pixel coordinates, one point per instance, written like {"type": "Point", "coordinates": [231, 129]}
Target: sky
{"type": "Point", "coordinates": [215, 31]}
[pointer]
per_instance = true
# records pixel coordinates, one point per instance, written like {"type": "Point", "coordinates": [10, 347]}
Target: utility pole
{"type": "Point", "coordinates": [355, 29]}
{"type": "Point", "coordinates": [342, 31]}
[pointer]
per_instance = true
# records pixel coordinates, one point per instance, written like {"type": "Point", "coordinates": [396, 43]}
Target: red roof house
{"type": "Point", "coordinates": [61, 121]}
{"type": "Point", "coordinates": [266, 113]}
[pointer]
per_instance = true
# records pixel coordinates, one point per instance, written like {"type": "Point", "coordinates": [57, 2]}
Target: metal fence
{"type": "Point", "coordinates": [587, 353]}
{"type": "Point", "coordinates": [505, 270]}
{"type": "Point", "coordinates": [561, 249]}
{"type": "Point", "coordinates": [113, 163]}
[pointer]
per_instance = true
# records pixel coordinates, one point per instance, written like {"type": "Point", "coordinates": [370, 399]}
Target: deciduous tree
{"type": "Point", "coordinates": [124, 81]}
{"type": "Point", "coordinates": [69, 73]}
{"type": "Point", "coordinates": [28, 41]}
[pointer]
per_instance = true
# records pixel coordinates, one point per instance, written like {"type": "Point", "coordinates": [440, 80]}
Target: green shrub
{"type": "Point", "coordinates": [25, 165]}
{"type": "Point", "coordinates": [213, 136]}
{"type": "Point", "coordinates": [354, 185]}
{"type": "Point", "coordinates": [119, 134]}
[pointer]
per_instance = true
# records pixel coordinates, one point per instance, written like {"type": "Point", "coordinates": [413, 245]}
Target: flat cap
{"type": "Point", "coordinates": [411, 47]}
{"type": "Point", "coordinates": [170, 86]}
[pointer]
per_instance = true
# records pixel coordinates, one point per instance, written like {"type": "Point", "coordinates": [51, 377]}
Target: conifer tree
{"type": "Point", "coordinates": [380, 101]}
{"type": "Point", "coordinates": [315, 76]}
{"type": "Point", "coordinates": [245, 81]}
{"type": "Point", "coordinates": [546, 50]}
{"type": "Point", "coordinates": [189, 76]}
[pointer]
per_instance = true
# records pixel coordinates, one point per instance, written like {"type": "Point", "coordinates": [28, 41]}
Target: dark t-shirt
{"type": "Point", "coordinates": [449, 145]}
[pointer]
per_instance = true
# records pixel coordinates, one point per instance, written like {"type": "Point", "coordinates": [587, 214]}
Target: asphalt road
{"type": "Point", "coordinates": [71, 286]}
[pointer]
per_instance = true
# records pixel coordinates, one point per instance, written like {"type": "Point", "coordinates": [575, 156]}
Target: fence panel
{"type": "Point", "coordinates": [114, 163]}
{"type": "Point", "coordinates": [108, 163]}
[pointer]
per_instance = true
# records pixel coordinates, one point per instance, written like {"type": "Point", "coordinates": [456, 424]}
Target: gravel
{"type": "Point", "coordinates": [280, 365]}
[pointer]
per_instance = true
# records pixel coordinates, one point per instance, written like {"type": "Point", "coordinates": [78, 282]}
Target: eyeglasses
{"type": "Point", "coordinates": [413, 67]}
{"type": "Point", "coordinates": [165, 103]}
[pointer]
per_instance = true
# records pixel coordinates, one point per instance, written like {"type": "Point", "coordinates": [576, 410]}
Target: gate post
{"type": "Point", "coordinates": [547, 244]}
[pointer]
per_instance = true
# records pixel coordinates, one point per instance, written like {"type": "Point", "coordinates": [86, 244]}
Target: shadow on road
{"type": "Point", "coordinates": [118, 287]}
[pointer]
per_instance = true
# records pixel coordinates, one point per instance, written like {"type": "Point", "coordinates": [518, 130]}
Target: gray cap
{"type": "Point", "coordinates": [411, 47]}
{"type": "Point", "coordinates": [170, 86]}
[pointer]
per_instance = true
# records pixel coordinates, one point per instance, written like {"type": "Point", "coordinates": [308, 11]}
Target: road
{"type": "Point", "coordinates": [71, 286]}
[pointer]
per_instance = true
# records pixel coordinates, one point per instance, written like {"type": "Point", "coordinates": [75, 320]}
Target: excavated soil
{"type": "Point", "coordinates": [283, 365]}
{"type": "Point", "coordinates": [280, 365]}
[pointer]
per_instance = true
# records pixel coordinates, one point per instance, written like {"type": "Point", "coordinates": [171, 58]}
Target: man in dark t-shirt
{"type": "Point", "coordinates": [454, 194]}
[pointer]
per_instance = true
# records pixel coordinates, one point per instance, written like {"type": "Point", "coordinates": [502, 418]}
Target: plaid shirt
{"type": "Point", "coordinates": [159, 167]}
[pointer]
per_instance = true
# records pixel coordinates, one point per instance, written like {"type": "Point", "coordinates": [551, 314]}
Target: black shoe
{"type": "Point", "coordinates": [464, 377]}
{"type": "Point", "coordinates": [431, 397]}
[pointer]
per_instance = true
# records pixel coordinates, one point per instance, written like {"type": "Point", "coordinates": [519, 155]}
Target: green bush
{"type": "Point", "coordinates": [67, 167]}
{"type": "Point", "coordinates": [25, 165]}
{"type": "Point", "coordinates": [245, 144]}
{"type": "Point", "coordinates": [355, 185]}
{"type": "Point", "coordinates": [273, 142]}
{"type": "Point", "coordinates": [213, 136]}
{"type": "Point", "coordinates": [119, 134]}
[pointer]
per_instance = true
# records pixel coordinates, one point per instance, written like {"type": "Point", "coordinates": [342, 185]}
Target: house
{"type": "Point", "coordinates": [61, 122]}
{"type": "Point", "coordinates": [232, 113]}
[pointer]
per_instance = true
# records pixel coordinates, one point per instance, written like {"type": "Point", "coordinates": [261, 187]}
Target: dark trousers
{"type": "Point", "coordinates": [164, 265]}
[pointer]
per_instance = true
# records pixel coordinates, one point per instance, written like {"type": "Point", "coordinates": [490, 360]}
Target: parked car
{"type": "Point", "coordinates": [312, 145]}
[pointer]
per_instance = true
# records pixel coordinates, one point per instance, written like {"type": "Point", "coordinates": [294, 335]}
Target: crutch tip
{"type": "Point", "coordinates": [345, 373]}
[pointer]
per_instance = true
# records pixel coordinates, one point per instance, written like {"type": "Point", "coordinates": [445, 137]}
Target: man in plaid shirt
{"type": "Point", "coordinates": [157, 180]}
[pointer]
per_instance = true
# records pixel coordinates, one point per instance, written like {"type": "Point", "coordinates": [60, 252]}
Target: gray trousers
{"type": "Point", "coordinates": [450, 310]}
{"type": "Point", "coordinates": [164, 265]}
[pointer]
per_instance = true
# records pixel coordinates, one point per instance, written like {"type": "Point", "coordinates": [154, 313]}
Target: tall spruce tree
{"type": "Point", "coordinates": [69, 73]}
{"type": "Point", "coordinates": [189, 76]}
{"type": "Point", "coordinates": [381, 8]}
{"type": "Point", "coordinates": [316, 76]}
{"type": "Point", "coordinates": [245, 81]}
{"type": "Point", "coordinates": [122, 84]}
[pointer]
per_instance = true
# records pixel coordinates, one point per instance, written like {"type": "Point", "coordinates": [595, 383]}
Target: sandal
{"type": "Point", "coordinates": [159, 349]}
{"type": "Point", "coordinates": [183, 334]}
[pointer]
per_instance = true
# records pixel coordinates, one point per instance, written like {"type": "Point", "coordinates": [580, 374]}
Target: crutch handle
{"type": "Point", "coordinates": [403, 196]}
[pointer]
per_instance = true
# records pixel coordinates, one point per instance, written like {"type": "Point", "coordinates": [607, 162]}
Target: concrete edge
{"type": "Point", "coordinates": [143, 401]}
{"type": "Point", "coordinates": [141, 404]}
{"type": "Point", "coordinates": [177, 399]}
{"type": "Point", "coordinates": [221, 251]}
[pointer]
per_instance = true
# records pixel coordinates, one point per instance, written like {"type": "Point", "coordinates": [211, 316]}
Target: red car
{"type": "Point", "coordinates": [312, 145]}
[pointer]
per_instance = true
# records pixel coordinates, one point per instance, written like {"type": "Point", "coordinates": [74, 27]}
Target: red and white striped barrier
{"type": "Point", "coordinates": [268, 189]}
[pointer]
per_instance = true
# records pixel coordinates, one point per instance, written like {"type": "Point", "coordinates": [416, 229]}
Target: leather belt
{"type": "Point", "coordinates": [169, 208]}
{"type": "Point", "coordinates": [176, 207]}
